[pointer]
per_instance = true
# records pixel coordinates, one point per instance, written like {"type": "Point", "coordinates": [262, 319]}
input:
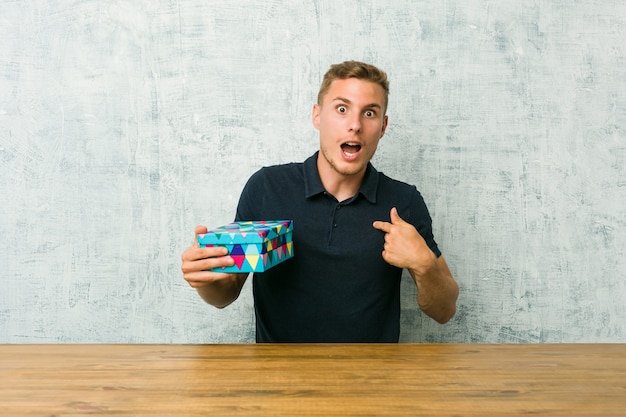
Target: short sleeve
{"type": "Point", "coordinates": [420, 218]}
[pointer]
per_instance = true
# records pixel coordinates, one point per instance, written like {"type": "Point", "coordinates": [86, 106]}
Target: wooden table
{"type": "Point", "coordinates": [313, 380]}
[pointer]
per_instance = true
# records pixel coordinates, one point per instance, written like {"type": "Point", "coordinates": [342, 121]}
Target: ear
{"type": "Point", "coordinates": [384, 128]}
{"type": "Point", "coordinates": [315, 116]}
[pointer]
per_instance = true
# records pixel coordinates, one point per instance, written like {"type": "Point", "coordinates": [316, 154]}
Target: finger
{"type": "Point", "coordinates": [382, 226]}
{"type": "Point", "coordinates": [206, 276]}
{"type": "Point", "coordinates": [199, 230]}
{"type": "Point", "coordinates": [195, 253]}
{"type": "Point", "coordinates": [199, 279]}
{"type": "Point", "coordinates": [395, 217]}
{"type": "Point", "coordinates": [204, 263]}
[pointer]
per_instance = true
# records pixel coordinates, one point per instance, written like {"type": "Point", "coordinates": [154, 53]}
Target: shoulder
{"type": "Point", "coordinates": [387, 184]}
{"type": "Point", "coordinates": [275, 177]}
{"type": "Point", "coordinates": [281, 168]}
{"type": "Point", "coordinates": [406, 197]}
{"type": "Point", "coordinates": [277, 172]}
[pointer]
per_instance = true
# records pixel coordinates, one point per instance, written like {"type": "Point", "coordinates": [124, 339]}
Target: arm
{"type": "Point", "coordinates": [216, 288]}
{"type": "Point", "coordinates": [406, 248]}
{"type": "Point", "coordinates": [437, 291]}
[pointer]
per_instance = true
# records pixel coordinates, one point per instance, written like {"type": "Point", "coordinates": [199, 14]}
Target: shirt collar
{"type": "Point", "coordinates": [313, 183]}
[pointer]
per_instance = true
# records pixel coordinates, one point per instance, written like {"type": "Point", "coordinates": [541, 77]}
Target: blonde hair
{"type": "Point", "coordinates": [354, 69]}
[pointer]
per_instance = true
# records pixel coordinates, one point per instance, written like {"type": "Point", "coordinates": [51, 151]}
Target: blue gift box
{"type": "Point", "coordinates": [255, 246]}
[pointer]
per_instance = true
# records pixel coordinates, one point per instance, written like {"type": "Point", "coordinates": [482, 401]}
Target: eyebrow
{"type": "Point", "coordinates": [347, 101]}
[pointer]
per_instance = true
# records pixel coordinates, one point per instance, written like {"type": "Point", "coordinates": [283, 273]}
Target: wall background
{"type": "Point", "coordinates": [125, 123]}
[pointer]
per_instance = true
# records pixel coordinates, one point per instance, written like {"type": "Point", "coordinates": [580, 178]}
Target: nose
{"type": "Point", "coordinates": [355, 124]}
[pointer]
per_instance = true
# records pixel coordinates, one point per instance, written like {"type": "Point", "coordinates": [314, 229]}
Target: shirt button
{"type": "Point", "coordinates": [334, 224]}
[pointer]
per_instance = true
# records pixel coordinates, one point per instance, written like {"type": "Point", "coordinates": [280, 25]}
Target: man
{"type": "Point", "coordinates": [343, 283]}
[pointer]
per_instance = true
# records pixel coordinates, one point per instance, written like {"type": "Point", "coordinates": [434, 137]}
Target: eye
{"type": "Point", "coordinates": [342, 109]}
{"type": "Point", "coordinates": [370, 113]}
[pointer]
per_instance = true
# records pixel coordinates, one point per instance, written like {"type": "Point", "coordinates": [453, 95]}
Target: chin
{"type": "Point", "coordinates": [351, 169]}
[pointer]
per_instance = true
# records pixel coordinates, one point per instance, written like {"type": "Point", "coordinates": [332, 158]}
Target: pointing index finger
{"type": "Point", "coordinates": [382, 226]}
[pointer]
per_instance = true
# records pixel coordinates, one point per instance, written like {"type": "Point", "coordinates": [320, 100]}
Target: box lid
{"type": "Point", "coordinates": [245, 232]}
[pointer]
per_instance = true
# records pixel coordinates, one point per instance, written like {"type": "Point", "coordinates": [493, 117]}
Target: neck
{"type": "Point", "coordinates": [341, 186]}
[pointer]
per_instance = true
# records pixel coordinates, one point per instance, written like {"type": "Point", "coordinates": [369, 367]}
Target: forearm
{"type": "Point", "coordinates": [222, 292]}
{"type": "Point", "coordinates": [437, 291]}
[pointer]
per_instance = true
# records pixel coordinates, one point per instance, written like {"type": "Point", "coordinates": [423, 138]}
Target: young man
{"type": "Point", "coordinates": [355, 229]}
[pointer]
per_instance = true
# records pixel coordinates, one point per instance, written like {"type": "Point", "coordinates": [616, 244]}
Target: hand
{"type": "Point", "coordinates": [197, 263]}
{"type": "Point", "coordinates": [404, 246]}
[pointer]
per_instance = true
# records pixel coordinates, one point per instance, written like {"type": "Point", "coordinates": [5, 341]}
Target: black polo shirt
{"type": "Point", "coordinates": [337, 287]}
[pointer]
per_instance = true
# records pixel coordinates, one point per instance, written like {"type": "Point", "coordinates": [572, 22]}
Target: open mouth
{"type": "Point", "coordinates": [350, 148]}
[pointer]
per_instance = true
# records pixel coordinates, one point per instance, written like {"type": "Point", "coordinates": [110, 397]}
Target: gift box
{"type": "Point", "coordinates": [255, 246]}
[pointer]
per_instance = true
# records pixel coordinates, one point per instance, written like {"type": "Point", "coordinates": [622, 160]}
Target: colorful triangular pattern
{"type": "Point", "coordinates": [255, 246]}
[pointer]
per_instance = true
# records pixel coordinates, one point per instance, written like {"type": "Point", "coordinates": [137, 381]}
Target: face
{"type": "Point", "coordinates": [351, 120]}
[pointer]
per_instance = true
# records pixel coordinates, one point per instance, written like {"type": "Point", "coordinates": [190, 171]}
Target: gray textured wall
{"type": "Point", "coordinates": [125, 123]}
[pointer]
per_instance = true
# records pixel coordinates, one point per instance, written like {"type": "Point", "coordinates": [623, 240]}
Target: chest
{"type": "Point", "coordinates": [332, 229]}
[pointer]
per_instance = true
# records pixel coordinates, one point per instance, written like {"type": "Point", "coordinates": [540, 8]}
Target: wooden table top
{"type": "Point", "coordinates": [313, 380]}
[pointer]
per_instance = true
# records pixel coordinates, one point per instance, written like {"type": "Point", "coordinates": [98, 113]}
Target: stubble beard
{"type": "Point", "coordinates": [344, 172]}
